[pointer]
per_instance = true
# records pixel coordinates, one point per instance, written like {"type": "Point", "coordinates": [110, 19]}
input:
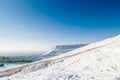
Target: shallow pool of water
{"type": "Point", "coordinates": [9, 65]}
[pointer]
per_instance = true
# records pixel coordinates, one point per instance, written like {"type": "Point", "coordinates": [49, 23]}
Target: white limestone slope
{"type": "Point", "coordinates": [97, 61]}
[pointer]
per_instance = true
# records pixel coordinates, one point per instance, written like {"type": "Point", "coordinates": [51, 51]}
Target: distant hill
{"type": "Point", "coordinates": [58, 50]}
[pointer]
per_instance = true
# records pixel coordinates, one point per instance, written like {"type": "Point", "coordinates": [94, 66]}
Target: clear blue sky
{"type": "Point", "coordinates": [31, 25]}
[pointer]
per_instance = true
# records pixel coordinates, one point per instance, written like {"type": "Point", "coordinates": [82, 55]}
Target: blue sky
{"type": "Point", "coordinates": [33, 25]}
